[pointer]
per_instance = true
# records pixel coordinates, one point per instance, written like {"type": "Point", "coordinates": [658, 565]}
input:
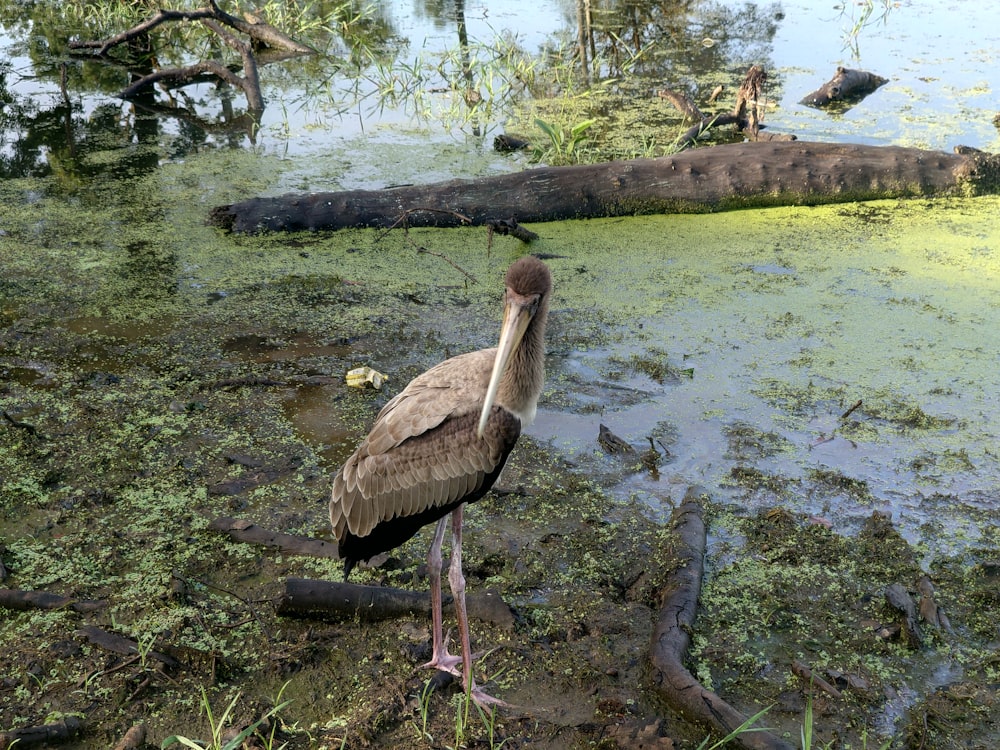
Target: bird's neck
{"type": "Point", "coordinates": [522, 382]}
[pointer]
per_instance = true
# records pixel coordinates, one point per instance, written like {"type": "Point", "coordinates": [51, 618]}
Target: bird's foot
{"type": "Point", "coordinates": [442, 660]}
{"type": "Point", "coordinates": [446, 663]}
{"type": "Point", "coordinates": [486, 702]}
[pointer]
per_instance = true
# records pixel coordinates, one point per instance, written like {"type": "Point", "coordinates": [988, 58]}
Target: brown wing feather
{"type": "Point", "coordinates": [423, 451]}
{"type": "Point", "coordinates": [432, 470]}
{"type": "Point", "coordinates": [449, 389]}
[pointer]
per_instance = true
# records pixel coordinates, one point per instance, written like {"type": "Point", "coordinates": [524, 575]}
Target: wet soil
{"type": "Point", "coordinates": [154, 379]}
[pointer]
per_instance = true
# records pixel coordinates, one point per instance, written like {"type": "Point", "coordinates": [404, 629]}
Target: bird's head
{"type": "Point", "coordinates": [526, 299]}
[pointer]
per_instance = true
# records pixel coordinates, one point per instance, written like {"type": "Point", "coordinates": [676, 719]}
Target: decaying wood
{"type": "Point", "coordinates": [672, 634]}
{"type": "Point", "coordinates": [683, 104]}
{"type": "Point", "coordinates": [730, 176]}
{"type": "Point", "coordinates": [847, 86]}
{"type": "Point", "coordinates": [613, 444]}
{"type": "Point", "coordinates": [133, 739]}
{"type": "Point", "coordinates": [246, 531]}
{"type": "Point", "coordinates": [929, 609]}
{"type": "Point", "coordinates": [304, 597]}
{"type": "Point", "coordinates": [510, 227]}
{"type": "Point", "coordinates": [812, 680]}
{"type": "Point", "coordinates": [23, 600]}
{"type": "Point", "coordinates": [55, 733]}
{"type": "Point", "coordinates": [750, 101]}
{"type": "Point", "coordinates": [121, 645]}
{"type": "Point", "coordinates": [747, 114]}
{"type": "Point", "coordinates": [899, 599]}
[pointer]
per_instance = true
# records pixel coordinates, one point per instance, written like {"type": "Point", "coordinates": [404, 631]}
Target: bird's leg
{"type": "Point", "coordinates": [457, 581]}
{"type": "Point", "coordinates": [440, 658]}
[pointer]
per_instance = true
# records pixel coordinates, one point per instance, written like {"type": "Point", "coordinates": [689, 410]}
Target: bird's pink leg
{"type": "Point", "coordinates": [456, 578]}
{"type": "Point", "coordinates": [440, 658]}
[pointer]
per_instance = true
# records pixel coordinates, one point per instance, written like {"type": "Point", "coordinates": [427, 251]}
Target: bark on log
{"type": "Point", "coordinates": [25, 600]}
{"type": "Point", "coordinates": [60, 731]}
{"type": "Point", "coordinates": [304, 597]}
{"type": "Point", "coordinates": [245, 531]}
{"type": "Point", "coordinates": [671, 636]}
{"type": "Point", "coordinates": [740, 175]}
{"type": "Point", "coordinates": [121, 645]}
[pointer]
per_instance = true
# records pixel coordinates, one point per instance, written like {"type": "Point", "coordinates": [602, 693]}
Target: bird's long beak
{"type": "Point", "coordinates": [517, 313]}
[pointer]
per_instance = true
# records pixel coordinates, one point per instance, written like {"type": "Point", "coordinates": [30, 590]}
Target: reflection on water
{"type": "Point", "coordinates": [450, 74]}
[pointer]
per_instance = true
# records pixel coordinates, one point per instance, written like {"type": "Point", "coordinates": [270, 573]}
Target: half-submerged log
{"type": "Point", "coordinates": [848, 86]}
{"type": "Point", "coordinates": [731, 176]}
{"type": "Point", "coordinates": [671, 636]}
{"type": "Point", "coordinates": [331, 600]}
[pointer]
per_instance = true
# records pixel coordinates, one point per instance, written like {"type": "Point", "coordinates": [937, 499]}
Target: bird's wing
{"type": "Point", "coordinates": [449, 389]}
{"type": "Point", "coordinates": [423, 450]}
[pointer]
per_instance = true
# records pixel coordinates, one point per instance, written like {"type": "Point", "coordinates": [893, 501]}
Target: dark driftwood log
{"type": "Point", "coordinates": [846, 87]}
{"type": "Point", "coordinates": [304, 597]}
{"type": "Point", "coordinates": [57, 732]}
{"type": "Point", "coordinates": [739, 175]}
{"type": "Point", "coordinates": [671, 636]}
{"type": "Point", "coordinates": [245, 531]}
{"type": "Point", "coordinates": [23, 600]}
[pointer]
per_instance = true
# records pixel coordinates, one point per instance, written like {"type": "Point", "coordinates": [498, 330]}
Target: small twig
{"type": "Point", "coordinates": [250, 608]}
{"type": "Point", "coordinates": [403, 221]}
{"type": "Point", "coordinates": [250, 380]}
{"type": "Point", "coordinates": [449, 261]}
{"type": "Point", "coordinates": [854, 406]}
{"type": "Point", "coordinates": [812, 679]}
{"type": "Point", "coordinates": [821, 439]}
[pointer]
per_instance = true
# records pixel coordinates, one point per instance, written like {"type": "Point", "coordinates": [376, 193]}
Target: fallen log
{"type": "Point", "coordinates": [730, 176]}
{"type": "Point", "coordinates": [671, 636]}
{"type": "Point", "coordinates": [47, 734]}
{"type": "Point", "coordinates": [25, 600]}
{"type": "Point", "coordinates": [304, 597]}
{"type": "Point", "coordinates": [120, 645]}
{"type": "Point", "coordinates": [249, 532]}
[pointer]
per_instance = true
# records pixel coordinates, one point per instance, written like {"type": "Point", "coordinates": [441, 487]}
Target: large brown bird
{"type": "Point", "coordinates": [441, 443]}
